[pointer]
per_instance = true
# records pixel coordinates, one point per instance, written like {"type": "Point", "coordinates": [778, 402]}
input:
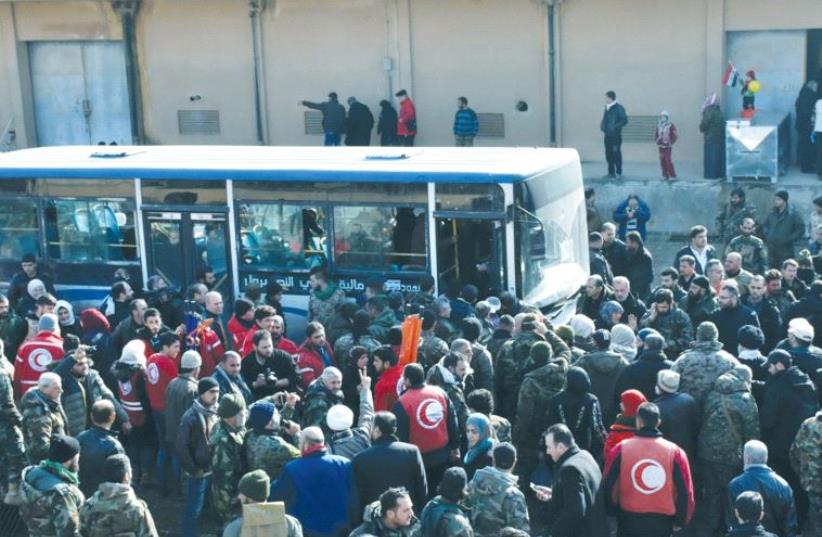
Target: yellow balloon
{"type": "Point", "coordinates": [754, 86]}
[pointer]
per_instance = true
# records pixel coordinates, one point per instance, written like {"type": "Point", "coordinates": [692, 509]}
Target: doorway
{"type": "Point", "coordinates": [181, 245]}
{"type": "Point", "coordinates": [814, 55]}
{"type": "Point", "coordinates": [471, 251]}
{"type": "Point", "coordinates": [80, 93]}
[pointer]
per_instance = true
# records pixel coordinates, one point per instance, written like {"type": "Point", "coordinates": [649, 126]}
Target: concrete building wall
{"type": "Point", "coordinates": [656, 54]}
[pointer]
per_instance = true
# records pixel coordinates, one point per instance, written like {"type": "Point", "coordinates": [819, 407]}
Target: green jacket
{"type": "Point", "coordinates": [227, 467]}
{"type": "Point", "coordinates": [675, 326]}
{"type": "Point", "coordinates": [496, 502]}
{"type": "Point", "coordinates": [318, 399]}
{"type": "Point", "coordinates": [730, 218]}
{"type": "Point", "coordinates": [441, 518]}
{"type": "Point", "coordinates": [372, 525]}
{"type": "Point", "coordinates": [700, 310]}
{"type": "Point", "coordinates": [730, 419]}
{"type": "Point", "coordinates": [753, 251]}
{"type": "Point", "coordinates": [380, 326]}
{"type": "Point", "coordinates": [783, 229]}
{"type": "Point", "coordinates": [537, 389]}
{"type": "Point", "coordinates": [700, 367]}
{"type": "Point", "coordinates": [115, 510]}
{"type": "Point", "coordinates": [806, 453]}
{"type": "Point", "coordinates": [42, 419]}
{"type": "Point", "coordinates": [51, 502]}
{"type": "Point", "coordinates": [268, 451]}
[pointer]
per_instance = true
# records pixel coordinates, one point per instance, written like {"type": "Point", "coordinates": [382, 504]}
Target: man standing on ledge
{"type": "Point", "coordinates": [333, 118]}
{"type": "Point", "coordinates": [407, 122]}
{"type": "Point", "coordinates": [614, 119]}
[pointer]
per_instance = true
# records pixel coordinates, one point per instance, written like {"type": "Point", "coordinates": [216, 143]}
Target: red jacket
{"type": "Point", "coordinates": [33, 358]}
{"type": "Point", "coordinates": [160, 370]}
{"type": "Point", "coordinates": [238, 332]}
{"type": "Point", "coordinates": [386, 391]}
{"type": "Point", "coordinates": [617, 434]}
{"type": "Point", "coordinates": [129, 395]}
{"type": "Point", "coordinates": [427, 411]}
{"type": "Point", "coordinates": [408, 112]}
{"type": "Point", "coordinates": [312, 362]}
{"type": "Point", "coordinates": [211, 351]}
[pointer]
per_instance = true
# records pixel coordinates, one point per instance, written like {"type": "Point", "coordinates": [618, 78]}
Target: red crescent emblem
{"type": "Point", "coordinates": [648, 476]}
{"type": "Point", "coordinates": [39, 360]}
{"type": "Point", "coordinates": [153, 373]}
{"type": "Point", "coordinates": [430, 413]}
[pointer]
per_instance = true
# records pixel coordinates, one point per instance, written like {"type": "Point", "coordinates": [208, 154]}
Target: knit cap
{"type": "Point", "coordinates": [702, 281]}
{"type": "Point", "coordinates": [261, 414]}
{"type": "Point", "coordinates": [750, 337]}
{"type": "Point", "coordinates": [541, 351]}
{"type": "Point", "coordinates": [453, 483]}
{"type": "Point", "coordinates": [667, 380]}
{"type": "Point", "coordinates": [782, 194]}
{"type": "Point", "coordinates": [63, 448]}
{"type": "Point", "coordinates": [645, 332]}
{"type": "Point", "coordinates": [230, 405]}
{"type": "Point", "coordinates": [565, 333]}
{"type": "Point", "coordinates": [706, 331]}
{"type": "Point", "coordinates": [206, 384]}
{"type": "Point", "coordinates": [191, 360]}
{"type": "Point", "coordinates": [242, 306]}
{"type": "Point", "coordinates": [631, 399]}
{"type": "Point", "coordinates": [339, 418]}
{"type": "Point", "coordinates": [255, 485]}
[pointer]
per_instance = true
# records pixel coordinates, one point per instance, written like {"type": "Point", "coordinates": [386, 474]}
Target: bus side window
{"type": "Point", "coordinates": [380, 238]}
{"type": "Point", "coordinates": [18, 228]}
{"type": "Point", "coordinates": [282, 236]}
{"type": "Point", "coordinates": [87, 230]}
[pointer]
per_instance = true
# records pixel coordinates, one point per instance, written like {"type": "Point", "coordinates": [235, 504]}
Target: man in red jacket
{"type": "Point", "coordinates": [407, 120]}
{"type": "Point", "coordinates": [388, 387]}
{"type": "Point", "coordinates": [648, 481]}
{"type": "Point", "coordinates": [36, 355]}
{"type": "Point", "coordinates": [241, 323]}
{"type": "Point", "coordinates": [315, 354]}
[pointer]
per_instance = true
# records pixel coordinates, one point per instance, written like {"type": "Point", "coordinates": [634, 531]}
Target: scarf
{"type": "Point", "coordinates": [483, 446]}
{"type": "Point", "coordinates": [60, 471]}
{"type": "Point", "coordinates": [485, 443]}
{"type": "Point", "coordinates": [312, 449]}
{"type": "Point", "coordinates": [324, 295]}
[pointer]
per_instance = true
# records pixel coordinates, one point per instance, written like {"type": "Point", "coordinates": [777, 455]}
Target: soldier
{"type": "Point", "coordinates": [444, 328]}
{"type": "Point", "coordinates": [671, 322]}
{"type": "Point", "coordinates": [115, 509]}
{"type": "Point", "coordinates": [265, 449]}
{"type": "Point", "coordinates": [253, 488]}
{"type": "Point", "coordinates": [495, 500]}
{"type": "Point", "coordinates": [391, 516]}
{"type": "Point", "coordinates": [321, 395]}
{"type": "Point", "coordinates": [43, 416]}
{"type": "Point", "coordinates": [700, 302]}
{"type": "Point", "coordinates": [226, 444]}
{"type": "Point", "coordinates": [432, 348]}
{"type": "Point", "coordinates": [730, 419]}
{"type": "Point", "coordinates": [51, 498]}
{"type": "Point", "coordinates": [545, 380]}
{"type": "Point", "coordinates": [323, 297]}
{"type": "Point", "coordinates": [806, 459]}
{"type": "Point", "coordinates": [443, 516]}
{"type": "Point", "coordinates": [733, 214]}
{"type": "Point", "coordinates": [750, 247]}
{"type": "Point", "coordinates": [13, 452]}
{"type": "Point", "coordinates": [701, 366]}
{"type": "Point", "coordinates": [511, 361]}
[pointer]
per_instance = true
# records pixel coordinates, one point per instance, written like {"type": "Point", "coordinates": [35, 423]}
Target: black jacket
{"type": "Point", "coordinates": [770, 321]}
{"type": "Point", "coordinates": [632, 306]}
{"type": "Point", "coordinates": [613, 120]}
{"type": "Point", "coordinates": [387, 126]}
{"type": "Point", "coordinates": [789, 398]}
{"type": "Point", "coordinates": [680, 420]}
{"type": "Point", "coordinates": [641, 375]}
{"type": "Point", "coordinates": [729, 321]}
{"type": "Point", "coordinates": [616, 254]}
{"type": "Point", "coordinates": [96, 445]}
{"type": "Point", "coordinates": [780, 511]}
{"type": "Point", "coordinates": [390, 463]}
{"type": "Point", "coordinates": [640, 272]}
{"type": "Point", "coordinates": [577, 503]}
{"type": "Point", "coordinates": [195, 430]}
{"type": "Point", "coordinates": [749, 530]}
{"type": "Point", "coordinates": [358, 125]}
{"type": "Point", "coordinates": [710, 253]}
{"type": "Point", "coordinates": [579, 409]}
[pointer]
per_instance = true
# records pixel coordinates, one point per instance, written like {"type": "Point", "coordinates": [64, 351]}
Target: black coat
{"type": "Point", "coordinates": [387, 126]}
{"type": "Point", "coordinates": [390, 463]}
{"type": "Point", "coordinates": [749, 530]}
{"type": "Point", "coordinates": [96, 445]}
{"type": "Point", "coordinates": [576, 504]}
{"type": "Point", "coordinates": [729, 321]}
{"type": "Point", "coordinates": [617, 255]}
{"type": "Point", "coordinates": [680, 420]}
{"type": "Point", "coordinates": [641, 375]}
{"type": "Point", "coordinates": [640, 272]}
{"type": "Point", "coordinates": [613, 120]}
{"type": "Point", "coordinates": [710, 253]}
{"type": "Point", "coordinates": [788, 399]}
{"type": "Point", "coordinates": [770, 321]}
{"type": "Point", "coordinates": [359, 124]}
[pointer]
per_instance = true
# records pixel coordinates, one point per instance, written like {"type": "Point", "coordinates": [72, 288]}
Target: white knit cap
{"type": "Point", "coordinates": [801, 329]}
{"type": "Point", "coordinates": [339, 418]}
{"type": "Point", "coordinates": [583, 326]}
{"type": "Point", "coordinates": [134, 352]}
{"type": "Point", "coordinates": [191, 360]}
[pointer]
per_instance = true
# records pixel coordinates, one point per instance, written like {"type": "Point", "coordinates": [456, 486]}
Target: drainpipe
{"type": "Point", "coordinates": [553, 79]}
{"type": "Point", "coordinates": [127, 11]}
{"type": "Point", "coordinates": [256, 9]}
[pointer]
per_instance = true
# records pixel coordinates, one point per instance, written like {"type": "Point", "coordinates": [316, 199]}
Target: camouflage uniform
{"type": "Point", "coordinates": [51, 501]}
{"type": "Point", "coordinates": [322, 305]}
{"type": "Point", "coordinates": [268, 451]}
{"type": "Point", "coordinates": [700, 311]}
{"type": "Point", "coordinates": [372, 524]}
{"type": "Point", "coordinates": [731, 418]}
{"type": "Point", "coordinates": [42, 419]}
{"type": "Point", "coordinates": [501, 428]}
{"type": "Point", "coordinates": [13, 451]}
{"type": "Point", "coordinates": [730, 218]}
{"type": "Point", "coordinates": [235, 527]}
{"type": "Point", "coordinates": [508, 371]}
{"type": "Point", "coordinates": [675, 326]}
{"type": "Point", "coordinates": [115, 510]}
{"type": "Point", "coordinates": [227, 468]}
{"type": "Point", "coordinates": [346, 342]}
{"type": "Point", "coordinates": [753, 251]}
{"type": "Point", "coordinates": [442, 518]}
{"type": "Point", "coordinates": [431, 349]}
{"type": "Point", "coordinates": [700, 367]}
{"type": "Point", "coordinates": [496, 502]}
{"type": "Point", "coordinates": [806, 459]}
{"type": "Point", "coordinates": [318, 399]}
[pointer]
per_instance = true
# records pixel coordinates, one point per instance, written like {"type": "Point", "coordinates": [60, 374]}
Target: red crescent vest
{"type": "Point", "coordinates": [646, 483]}
{"type": "Point", "coordinates": [427, 410]}
{"type": "Point", "coordinates": [34, 358]}
{"type": "Point", "coordinates": [130, 399]}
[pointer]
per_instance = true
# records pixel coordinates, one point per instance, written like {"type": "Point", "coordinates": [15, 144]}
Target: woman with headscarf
{"type": "Point", "coordinates": [625, 425]}
{"type": "Point", "coordinates": [27, 306]}
{"type": "Point", "coordinates": [68, 323]}
{"type": "Point", "coordinates": [666, 137]}
{"type": "Point", "coordinates": [610, 314]}
{"type": "Point", "coordinates": [623, 341]}
{"type": "Point", "coordinates": [712, 127]}
{"type": "Point", "coordinates": [480, 443]}
{"type": "Point", "coordinates": [579, 409]}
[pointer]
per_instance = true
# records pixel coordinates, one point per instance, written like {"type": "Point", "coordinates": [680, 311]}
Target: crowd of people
{"type": "Point", "coordinates": [650, 404]}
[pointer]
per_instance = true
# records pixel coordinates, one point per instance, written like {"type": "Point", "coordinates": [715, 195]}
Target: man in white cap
{"type": "Point", "coordinates": [181, 393]}
{"type": "Point", "coordinates": [678, 411]}
{"type": "Point", "coordinates": [806, 356]}
{"type": "Point", "coordinates": [345, 441]}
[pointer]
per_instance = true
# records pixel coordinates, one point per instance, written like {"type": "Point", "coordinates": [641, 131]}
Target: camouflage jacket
{"type": "Point", "coordinates": [441, 518]}
{"type": "Point", "coordinates": [675, 326]}
{"type": "Point", "coordinates": [372, 525]}
{"type": "Point", "coordinates": [235, 527]}
{"type": "Point", "coordinates": [730, 419]}
{"type": "Point", "coordinates": [227, 467]}
{"type": "Point", "coordinates": [42, 419]}
{"type": "Point", "coordinates": [753, 251]}
{"type": "Point", "coordinates": [508, 371]}
{"type": "Point", "coordinates": [321, 305]}
{"type": "Point", "coordinates": [51, 502]}
{"type": "Point", "coordinates": [115, 510]}
{"type": "Point", "coordinates": [9, 415]}
{"type": "Point", "coordinates": [730, 218]}
{"type": "Point", "coordinates": [431, 349]}
{"type": "Point", "coordinates": [268, 451]}
{"type": "Point", "coordinates": [318, 399]}
{"type": "Point", "coordinates": [699, 311]}
{"type": "Point", "coordinates": [346, 342]}
{"type": "Point", "coordinates": [501, 428]}
{"type": "Point", "coordinates": [806, 454]}
{"type": "Point", "coordinates": [496, 502]}
{"type": "Point", "coordinates": [701, 366]}
{"type": "Point", "coordinates": [537, 389]}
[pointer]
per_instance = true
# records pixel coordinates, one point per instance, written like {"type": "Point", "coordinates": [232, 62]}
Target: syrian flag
{"type": "Point", "coordinates": [731, 77]}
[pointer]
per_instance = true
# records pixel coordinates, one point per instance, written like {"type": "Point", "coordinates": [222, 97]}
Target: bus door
{"type": "Point", "coordinates": [180, 245]}
{"type": "Point", "coordinates": [471, 251]}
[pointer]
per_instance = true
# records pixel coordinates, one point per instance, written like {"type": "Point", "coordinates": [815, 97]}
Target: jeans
{"type": "Point", "coordinates": [165, 456]}
{"type": "Point", "coordinates": [464, 141]}
{"type": "Point", "coordinates": [613, 154]}
{"type": "Point", "coordinates": [332, 138]}
{"type": "Point", "coordinates": [196, 488]}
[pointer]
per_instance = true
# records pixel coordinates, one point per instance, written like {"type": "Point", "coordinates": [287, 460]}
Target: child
{"type": "Point", "coordinates": [665, 138]}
